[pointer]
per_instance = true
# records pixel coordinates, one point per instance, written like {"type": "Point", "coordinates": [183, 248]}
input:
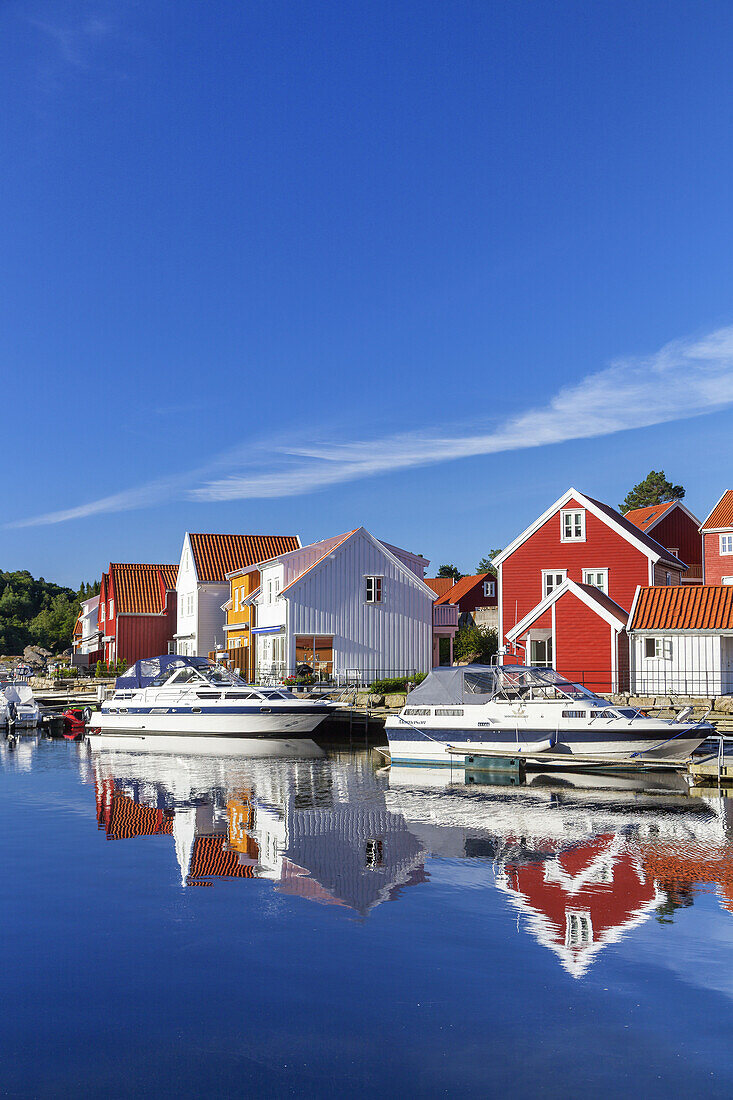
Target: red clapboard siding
{"type": "Point", "coordinates": [521, 573]}
{"type": "Point", "coordinates": [582, 642]}
{"type": "Point", "coordinates": [677, 531]}
{"type": "Point", "coordinates": [717, 566]}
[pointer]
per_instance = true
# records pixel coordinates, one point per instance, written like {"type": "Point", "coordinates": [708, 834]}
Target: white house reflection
{"type": "Point", "coordinates": [579, 868]}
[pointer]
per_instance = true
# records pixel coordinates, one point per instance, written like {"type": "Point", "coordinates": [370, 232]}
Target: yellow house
{"type": "Point", "coordinates": [240, 620]}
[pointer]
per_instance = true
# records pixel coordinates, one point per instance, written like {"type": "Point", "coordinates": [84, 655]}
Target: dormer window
{"type": "Point", "coordinates": [572, 525]}
{"type": "Point", "coordinates": [726, 544]}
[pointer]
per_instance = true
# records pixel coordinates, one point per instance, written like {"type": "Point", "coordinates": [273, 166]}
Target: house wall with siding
{"type": "Point", "coordinates": [660, 575]}
{"type": "Point", "coordinates": [394, 635]}
{"type": "Point", "coordinates": [717, 565]}
{"type": "Point", "coordinates": [141, 636]}
{"type": "Point", "coordinates": [676, 530]}
{"type": "Point", "coordinates": [603, 548]}
{"type": "Point", "coordinates": [210, 618]}
{"type": "Point", "coordinates": [187, 584]}
{"type": "Point", "coordinates": [693, 669]}
{"type": "Point", "coordinates": [582, 644]}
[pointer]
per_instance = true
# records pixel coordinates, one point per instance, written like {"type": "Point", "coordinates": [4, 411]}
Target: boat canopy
{"type": "Point", "coordinates": [477, 684]}
{"type": "Point", "coordinates": [143, 672]}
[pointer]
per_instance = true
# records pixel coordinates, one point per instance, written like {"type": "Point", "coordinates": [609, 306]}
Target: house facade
{"type": "Point", "coordinates": [203, 589]}
{"type": "Point", "coordinates": [136, 611]}
{"type": "Point", "coordinates": [348, 607]}
{"type": "Point", "coordinates": [677, 529]}
{"type": "Point", "coordinates": [476, 598]}
{"type": "Point", "coordinates": [717, 538]}
{"type": "Point", "coordinates": [681, 640]}
{"type": "Point", "coordinates": [240, 618]}
{"type": "Point", "coordinates": [86, 644]}
{"type": "Point", "coordinates": [566, 586]}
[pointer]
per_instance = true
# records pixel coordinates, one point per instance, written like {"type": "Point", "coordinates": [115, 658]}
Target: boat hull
{"type": "Point", "coordinates": [276, 725]}
{"type": "Point", "coordinates": [666, 743]}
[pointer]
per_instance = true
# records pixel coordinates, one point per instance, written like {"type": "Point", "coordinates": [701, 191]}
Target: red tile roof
{"type": "Point", "coordinates": [461, 588]}
{"type": "Point", "coordinates": [643, 518]}
{"type": "Point", "coordinates": [722, 513]}
{"type": "Point", "coordinates": [684, 607]}
{"type": "Point", "coordinates": [217, 555]}
{"type": "Point", "coordinates": [137, 587]}
{"type": "Point", "coordinates": [440, 585]}
{"type": "Point", "coordinates": [210, 859]}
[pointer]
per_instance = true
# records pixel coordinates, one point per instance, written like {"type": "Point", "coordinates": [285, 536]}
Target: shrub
{"type": "Point", "coordinates": [475, 643]}
{"type": "Point", "coordinates": [395, 684]}
{"type": "Point", "coordinates": [291, 681]}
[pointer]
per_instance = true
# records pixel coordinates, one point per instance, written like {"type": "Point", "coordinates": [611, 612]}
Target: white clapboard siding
{"type": "Point", "coordinates": [693, 669]}
{"type": "Point", "coordinates": [394, 635]}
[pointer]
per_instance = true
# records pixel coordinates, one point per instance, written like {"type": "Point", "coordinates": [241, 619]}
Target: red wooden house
{"type": "Point", "coordinates": [567, 584]}
{"type": "Point", "coordinates": [137, 610]}
{"type": "Point", "coordinates": [675, 528]}
{"type": "Point", "coordinates": [717, 538]}
{"type": "Point", "coordinates": [475, 597]}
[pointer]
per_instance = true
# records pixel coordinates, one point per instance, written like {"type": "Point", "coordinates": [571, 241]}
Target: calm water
{"type": "Point", "coordinates": [215, 925]}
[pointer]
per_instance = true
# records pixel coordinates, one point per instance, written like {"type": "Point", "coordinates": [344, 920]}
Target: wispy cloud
{"type": "Point", "coordinates": [685, 378]}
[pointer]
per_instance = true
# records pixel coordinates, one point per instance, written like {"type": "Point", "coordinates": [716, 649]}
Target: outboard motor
{"type": "Point", "coordinates": [12, 715]}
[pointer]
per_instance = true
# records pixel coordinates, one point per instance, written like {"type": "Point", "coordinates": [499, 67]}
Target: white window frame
{"type": "Point", "coordinates": [489, 589]}
{"type": "Point", "coordinates": [662, 649]}
{"type": "Point", "coordinates": [562, 573]}
{"type": "Point", "coordinates": [189, 604]}
{"type": "Point", "coordinates": [570, 513]}
{"type": "Point", "coordinates": [549, 660]}
{"type": "Point", "coordinates": [726, 544]}
{"type": "Point", "coordinates": [674, 550]}
{"type": "Point", "coordinates": [373, 589]}
{"type": "Point", "coordinates": [596, 573]}
{"type": "Point", "coordinates": [111, 609]}
{"type": "Point", "coordinates": [726, 580]}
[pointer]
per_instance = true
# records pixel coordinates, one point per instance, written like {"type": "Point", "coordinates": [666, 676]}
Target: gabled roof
{"type": "Point", "coordinates": [646, 519]}
{"type": "Point", "coordinates": [440, 585]}
{"type": "Point", "coordinates": [608, 515]}
{"type": "Point", "coordinates": [335, 544]}
{"type": "Point", "coordinates": [592, 597]}
{"type": "Point", "coordinates": [138, 588]}
{"type": "Point", "coordinates": [215, 555]}
{"type": "Point", "coordinates": [683, 607]}
{"type": "Point", "coordinates": [462, 587]}
{"type": "Point", "coordinates": [721, 517]}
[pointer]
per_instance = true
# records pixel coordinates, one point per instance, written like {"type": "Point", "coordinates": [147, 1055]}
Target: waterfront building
{"type": "Point", "coordinates": [476, 597]}
{"type": "Point", "coordinates": [717, 536]}
{"type": "Point", "coordinates": [681, 640]}
{"type": "Point", "coordinates": [350, 607]}
{"type": "Point", "coordinates": [566, 586]}
{"type": "Point", "coordinates": [203, 589]}
{"type": "Point", "coordinates": [677, 529]}
{"type": "Point", "coordinates": [86, 644]}
{"type": "Point", "coordinates": [136, 611]}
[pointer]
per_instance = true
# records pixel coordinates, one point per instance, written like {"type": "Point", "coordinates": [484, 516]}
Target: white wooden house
{"type": "Point", "coordinates": [350, 607]}
{"type": "Point", "coordinates": [681, 640]}
{"type": "Point", "coordinates": [202, 586]}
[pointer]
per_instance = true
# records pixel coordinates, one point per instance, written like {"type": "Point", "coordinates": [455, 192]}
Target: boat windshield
{"type": "Point", "coordinates": [514, 682]}
{"type": "Point", "coordinates": [199, 672]}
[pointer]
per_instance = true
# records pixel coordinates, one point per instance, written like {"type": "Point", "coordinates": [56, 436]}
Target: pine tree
{"type": "Point", "coordinates": [654, 489]}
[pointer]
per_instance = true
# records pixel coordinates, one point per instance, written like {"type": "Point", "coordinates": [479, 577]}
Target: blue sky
{"type": "Point", "coordinates": [296, 268]}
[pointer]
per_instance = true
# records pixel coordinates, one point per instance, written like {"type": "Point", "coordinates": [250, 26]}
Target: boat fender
{"type": "Point", "coordinates": [535, 746]}
{"type": "Point", "coordinates": [87, 714]}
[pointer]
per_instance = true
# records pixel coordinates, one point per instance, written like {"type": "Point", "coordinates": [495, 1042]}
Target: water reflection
{"type": "Point", "coordinates": [579, 864]}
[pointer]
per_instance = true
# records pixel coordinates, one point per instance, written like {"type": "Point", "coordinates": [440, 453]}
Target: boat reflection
{"type": "Point", "coordinates": [579, 864]}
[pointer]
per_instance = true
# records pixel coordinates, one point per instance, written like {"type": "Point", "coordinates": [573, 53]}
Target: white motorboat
{"type": "Point", "coordinates": [519, 709]}
{"type": "Point", "coordinates": [194, 697]}
{"type": "Point", "coordinates": [18, 707]}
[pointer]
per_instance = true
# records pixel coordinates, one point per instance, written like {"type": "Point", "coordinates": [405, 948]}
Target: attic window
{"type": "Point", "coordinates": [572, 525]}
{"type": "Point", "coordinates": [373, 589]}
{"type": "Point", "coordinates": [489, 588]}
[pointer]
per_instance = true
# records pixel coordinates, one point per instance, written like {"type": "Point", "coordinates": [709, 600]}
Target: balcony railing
{"type": "Point", "coordinates": [445, 614]}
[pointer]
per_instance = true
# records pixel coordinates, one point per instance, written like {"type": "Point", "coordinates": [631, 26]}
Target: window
{"type": "Point", "coordinates": [189, 604]}
{"type": "Point", "coordinates": [541, 653]}
{"type": "Point", "coordinates": [448, 712]}
{"type": "Point", "coordinates": [658, 648]}
{"type": "Point", "coordinates": [103, 611]}
{"type": "Point", "coordinates": [417, 711]}
{"type": "Point", "coordinates": [598, 578]}
{"type": "Point", "coordinates": [667, 578]}
{"type": "Point", "coordinates": [489, 588]}
{"type": "Point", "coordinates": [674, 550]}
{"type": "Point", "coordinates": [726, 580]}
{"type": "Point", "coordinates": [574, 714]}
{"type": "Point", "coordinates": [551, 581]}
{"type": "Point", "coordinates": [373, 589]}
{"type": "Point", "coordinates": [572, 526]}
{"type": "Point", "coordinates": [578, 929]}
{"type": "Point", "coordinates": [111, 609]}
{"type": "Point", "coordinates": [726, 544]}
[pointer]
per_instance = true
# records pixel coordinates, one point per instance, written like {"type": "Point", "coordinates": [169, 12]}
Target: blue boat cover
{"type": "Point", "coordinates": [145, 671]}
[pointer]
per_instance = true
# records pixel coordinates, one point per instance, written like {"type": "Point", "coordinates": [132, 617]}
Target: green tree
{"type": "Point", "coordinates": [654, 489]}
{"type": "Point", "coordinates": [486, 565]}
{"type": "Point", "coordinates": [475, 643]}
{"type": "Point", "coordinates": [450, 571]}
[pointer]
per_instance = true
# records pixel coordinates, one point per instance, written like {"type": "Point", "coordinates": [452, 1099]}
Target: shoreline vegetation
{"type": "Point", "coordinates": [38, 612]}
